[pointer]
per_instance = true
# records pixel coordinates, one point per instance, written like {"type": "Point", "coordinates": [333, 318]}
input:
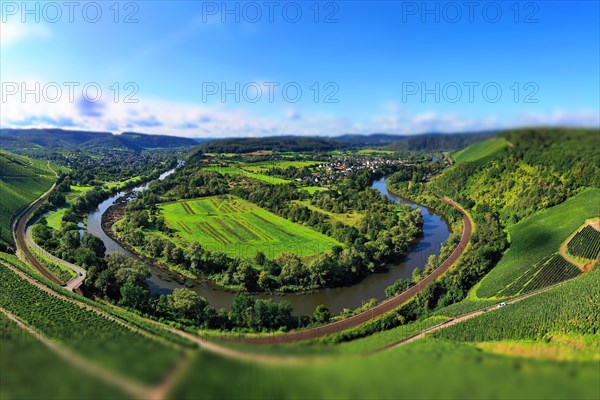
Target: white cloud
{"type": "Point", "coordinates": [13, 32]}
{"type": "Point", "coordinates": [192, 120]}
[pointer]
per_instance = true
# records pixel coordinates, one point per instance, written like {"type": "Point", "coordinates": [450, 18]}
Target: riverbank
{"type": "Point", "coordinates": [436, 232]}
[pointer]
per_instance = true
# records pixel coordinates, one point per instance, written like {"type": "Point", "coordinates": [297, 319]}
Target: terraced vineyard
{"type": "Point", "coordinates": [585, 244]}
{"type": "Point", "coordinates": [536, 238]}
{"type": "Point", "coordinates": [92, 335]}
{"type": "Point", "coordinates": [237, 227]}
{"type": "Point", "coordinates": [569, 308]}
{"type": "Point", "coordinates": [552, 269]}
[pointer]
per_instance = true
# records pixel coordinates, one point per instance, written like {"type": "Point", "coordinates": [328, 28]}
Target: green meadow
{"type": "Point", "coordinates": [238, 171]}
{"type": "Point", "coordinates": [237, 227]}
{"type": "Point", "coordinates": [264, 166]}
{"type": "Point", "coordinates": [537, 237]}
{"type": "Point", "coordinates": [351, 219]}
{"type": "Point", "coordinates": [54, 218]}
{"type": "Point", "coordinates": [313, 189]}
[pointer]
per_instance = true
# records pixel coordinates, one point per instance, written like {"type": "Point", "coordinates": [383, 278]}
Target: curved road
{"type": "Point", "coordinates": [22, 239]}
{"type": "Point", "coordinates": [378, 310]}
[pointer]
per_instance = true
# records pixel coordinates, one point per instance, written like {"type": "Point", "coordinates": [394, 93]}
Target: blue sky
{"type": "Point", "coordinates": [371, 62]}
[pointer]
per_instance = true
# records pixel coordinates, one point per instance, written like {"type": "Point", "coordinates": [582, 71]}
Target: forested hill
{"type": "Point", "coordinates": [428, 141]}
{"type": "Point", "coordinates": [536, 169]}
{"type": "Point", "coordinates": [20, 140]}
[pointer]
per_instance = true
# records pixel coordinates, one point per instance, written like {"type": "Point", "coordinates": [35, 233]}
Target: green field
{"type": "Point", "coordinates": [238, 171]}
{"type": "Point", "coordinates": [312, 189]}
{"type": "Point", "coordinates": [22, 180]}
{"type": "Point", "coordinates": [265, 166]}
{"type": "Point", "coordinates": [480, 151]}
{"type": "Point", "coordinates": [375, 151]}
{"type": "Point", "coordinates": [237, 227]}
{"type": "Point", "coordinates": [537, 237]}
{"type": "Point", "coordinates": [54, 218]}
{"type": "Point", "coordinates": [351, 219]}
{"type": "Point", "coordinates": [111, 185]}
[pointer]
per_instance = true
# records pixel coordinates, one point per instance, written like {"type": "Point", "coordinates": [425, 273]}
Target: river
{"type": "Point", "coordinates": [435, 232]}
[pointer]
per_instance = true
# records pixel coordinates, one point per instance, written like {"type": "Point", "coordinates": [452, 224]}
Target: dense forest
{"type": "Point", "coordinates": [423, 142]}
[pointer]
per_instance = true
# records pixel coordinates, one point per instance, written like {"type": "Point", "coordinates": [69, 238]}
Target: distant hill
{"type": "Point", "coordinates": [29, 139]}
{"type": "Point", "coordinates": [427, 141]}
{"type": "Point", "coordinates": [440, 141]}
{"type": "Point", "coordinates": [271, 143]}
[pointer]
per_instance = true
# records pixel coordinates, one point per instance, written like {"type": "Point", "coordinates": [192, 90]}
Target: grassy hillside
{"type": "Point", "coordinates": [540, 168]}
{"type": "Point", "coordinates": [537, 237]}
{"type": "Point", "coordinates": [481, 151]}
{"type": "Point", "coordinates": [22, 180]}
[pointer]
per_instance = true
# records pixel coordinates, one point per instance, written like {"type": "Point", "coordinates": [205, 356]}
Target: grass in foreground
{"type": "Point", "coordinates": [32, 371]}
{"type": "Point", "coordinates": [421, 370]}
{"type": "Point", "coordinates": [237, 227]}
{"type": "Point", "coordinates": [93, 336]}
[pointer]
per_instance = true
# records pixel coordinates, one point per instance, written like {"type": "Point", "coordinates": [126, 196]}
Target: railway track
{"type": "Point", "coordinates": [378, 310]}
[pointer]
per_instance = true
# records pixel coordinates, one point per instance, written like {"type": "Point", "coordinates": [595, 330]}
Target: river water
{"type": "Point", "coordinates": [435, 232]}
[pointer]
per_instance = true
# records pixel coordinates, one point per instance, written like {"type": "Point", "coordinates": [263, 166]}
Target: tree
{"type": "Point", "coordinates": [194, 255]}
{"type": "Point", "coordinates": [416, 275]}
{"type": "Point", "coordinates": [246, 275]}
{"type": "Point", "coordinates": [260, 258]}
{"type": "Point", "coordinates": [321, 314]}
{"type": "Point", "coordinates": [134, 296]}
{"type": "Point", "coordinates": [267, 281]}
{"type": "Point", "coordinates": [93, 243]}
{"type": "Point", "coordinates": [242, 310]}
{"type": "Point", "coordinates": [70, 240]}
{"type": "Point", "coordinates": [176, 256]}
{"type": "Point", "coordinates": [85, 257]}
{"type": "Point", "coordinates": [69, 216]}
{"type": "Point", "coordinates": [139, 219]}
{"type": "Point", "coordinates": [187, 304]}
{"type": "Point", "coordinates": [292, 270]}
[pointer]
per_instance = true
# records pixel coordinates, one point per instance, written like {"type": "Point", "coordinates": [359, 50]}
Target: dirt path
{"type": "Point", "coordinates": [584, 266]}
